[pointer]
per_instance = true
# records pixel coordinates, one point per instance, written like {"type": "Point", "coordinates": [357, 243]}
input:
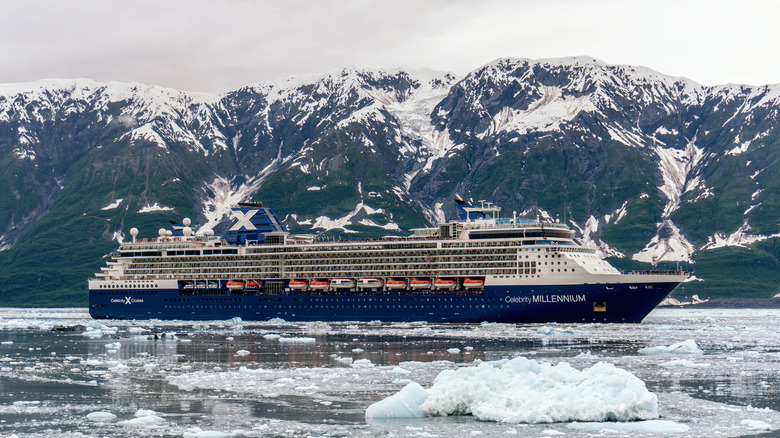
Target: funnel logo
{"type": "Point", "coordinates": [128, 300]}
{"type": "Point", "coordinates": [244, 220]}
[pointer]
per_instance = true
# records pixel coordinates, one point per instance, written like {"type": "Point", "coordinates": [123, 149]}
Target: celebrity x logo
{"type": "Point", "coordinates": [244, 220]}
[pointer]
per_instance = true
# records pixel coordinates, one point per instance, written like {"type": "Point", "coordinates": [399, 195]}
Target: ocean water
{"type": "Point", "coordinates": [65, 375]}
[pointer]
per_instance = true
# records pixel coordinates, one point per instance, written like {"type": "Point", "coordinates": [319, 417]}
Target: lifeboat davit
{"type": "Point", "coordinates": [395, 284]}
{"type": "Point", "coordinates": [319, 284]}
{"type": "Point", "coordinates": [442, 283]}
{"type": "Point", "coordinates": [369, 283]}
{"type": "Point", "coordinates": [474, 282]}
{"type": "Point", "coordinates": [342, 283]}
{"type": "Point", "coordinates": [420, 283]}
{"type": "Point", "coordinates": [235, 284]}
{"type": "Point", "coordinates": [299, 284]}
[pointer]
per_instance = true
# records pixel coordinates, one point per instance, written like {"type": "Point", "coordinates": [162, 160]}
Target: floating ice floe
{"type": "Point", "coordinates": [403, 404]}
{"type": "Point", "coordinates": [362, 363]}
{"type": "Point", "coordinates": [756, 425]}
{"type": "Point", "coordinates": [524, 391]}
{"type": "Point", "coordinates": [345, 360]}
{"type": "Point", "coordinates": [683, 363]}
{"type": "Point", "coordinates": [145, 420]}
{"type": "Point", "coordinates": [196, 432]}
{"type": "Point", "coordinates": [648, 426]}
{"type": "Point", "coordinates": [685, 347]}
{"type": "Point", "coordinates": [101, 417]}
{"type": "Point", "coordinates": [545, 330]}
{"type": "Point", "coordinates": [94, 329]}
{"type": "Point", "coordinates": [317, 327]}
{"type": "Point", "coordinates": [297, 340]}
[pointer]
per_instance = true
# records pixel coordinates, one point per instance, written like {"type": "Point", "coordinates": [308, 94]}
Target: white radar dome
{"type": "Point", "coordinates": [187, 231]}
{"type": "Point", "coordinates": [161, 232]}
{"type": "Point", "coordinates": [186, 222]}
{"type": "Point", "coordinates": [209, 232]}
{"type": "Point", "coordinates": [168, 233]}
{"type": "Point", "coordinates": [133, 232]}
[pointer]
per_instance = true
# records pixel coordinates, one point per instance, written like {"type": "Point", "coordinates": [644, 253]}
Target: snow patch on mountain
{"type": "Point", "coordinates": [221, 195]}
{"type": "Point", "coordinates": [590, 234]}
{"type": "Point", "coordinates": [154, 208]}
{"type": "Point", "coordinates": [668, 245]}
{"type": "Point", "coordinates": [356, 216]}
{"type": "Point", "coordinates": [24, 153]}
{"type": "Point", "coordinates": [413, 114]}
{"type": "Point", "coordinates": [118, 236]}
{"type": "Point", "coordinates": [627, 137]}
{"type": "Point", "coordinates": [678, 168]}
{"type": "Point", "coordinates": [546, 114]}
{"type": "Point", "coordinates": [146, 133]}
{"type": "Point", "coordinates": [740, 238]}
{"type": "Point", "coordinates": [113, 205]}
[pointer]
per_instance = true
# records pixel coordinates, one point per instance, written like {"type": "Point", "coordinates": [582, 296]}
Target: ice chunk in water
{"type": "Point", "coordinates": [404, 404]}
{"type": "Point", "coordinates": [685, 347]}
{"type": "Point", "coordinates": [756, 425]}
{"type": "Point", "coordinates": [649, 426]}
{"type": "Point", "coordinates": [101, 417]}
{"type": "Point", "coordinates": [145, 420]}
{"type": "Point", "coordinates": [362, 363]}
{"type": "Point", "coordinates": [524, 391]}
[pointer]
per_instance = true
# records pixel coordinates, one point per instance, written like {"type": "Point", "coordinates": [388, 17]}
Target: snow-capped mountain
{"type": "Point", "coordinates": [647, 167]}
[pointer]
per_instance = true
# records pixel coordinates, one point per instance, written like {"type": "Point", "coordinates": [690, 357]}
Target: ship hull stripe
{"type": "Point", "coordinates": [509, 304]}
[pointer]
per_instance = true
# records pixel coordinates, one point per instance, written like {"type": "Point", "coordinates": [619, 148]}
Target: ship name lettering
{"type": "Point", "coordinates": [127, 300]}
{"type": "Point", "coordinates": [558, 298]}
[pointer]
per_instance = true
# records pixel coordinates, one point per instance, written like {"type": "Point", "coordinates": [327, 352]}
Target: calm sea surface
{"type": "Point", "coordinates": [65, 375]}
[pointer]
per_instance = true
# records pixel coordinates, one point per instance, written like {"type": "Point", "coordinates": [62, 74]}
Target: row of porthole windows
{"type": "Point", "coordinates": [126, 286]}
{"type": "Point", "coordinates": [181, 300]}
{"type": "Point", "coordinates": [399, 306]}
{"type": "Point", "coordinates": [317, 300]}
{"type": "Point", "coordinates": [386, 306]}
{"type": "Point", "coordinates": [206, 307]}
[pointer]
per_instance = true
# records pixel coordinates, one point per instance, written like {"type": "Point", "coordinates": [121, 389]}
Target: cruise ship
{"type": "Point", "coordinates": [478, 268]}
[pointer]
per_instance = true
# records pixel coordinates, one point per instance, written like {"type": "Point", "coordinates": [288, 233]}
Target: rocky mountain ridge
{"type": "Point", "coordinates": [647, 167]}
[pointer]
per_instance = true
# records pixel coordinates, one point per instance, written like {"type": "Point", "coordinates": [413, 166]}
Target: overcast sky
{"type": "Point", "coordinates": [217, 46]}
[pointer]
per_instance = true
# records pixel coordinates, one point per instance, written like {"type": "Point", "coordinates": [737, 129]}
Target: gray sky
{"type": "Point", "coordinates": [217, 46]}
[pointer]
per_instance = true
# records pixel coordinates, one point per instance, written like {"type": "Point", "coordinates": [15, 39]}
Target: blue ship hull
{"type": "Point", "coordinates": [508, 304]}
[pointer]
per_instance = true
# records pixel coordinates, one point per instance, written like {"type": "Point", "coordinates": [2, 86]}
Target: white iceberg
{"type": "Point", "coordinates": [101, 417]}
{"type": "Point", "coordinates": [524, 391]}
{"type": "Point", "coordinates": [685, 347]}
{"type": "Point", "coordinates": [404, 404]}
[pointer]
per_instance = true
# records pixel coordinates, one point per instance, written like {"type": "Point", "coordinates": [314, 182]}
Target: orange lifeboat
{"type": "Point", "coordinates": [420, 283]}
{"type": "Point", "coordinates": [474, 282]}
{"type": "Point", "coordinates": [235, 284]}
{"type": "Point", "coordinates": [298, 284]}
{"type": "Point", "coordinates": [395, 284]}
{"type": "Point", "coordinates": [319, 284]}
{"type": "Point", "coordinates": [252, 284]}
{"type": "Point", "coordinates": [442, 283]}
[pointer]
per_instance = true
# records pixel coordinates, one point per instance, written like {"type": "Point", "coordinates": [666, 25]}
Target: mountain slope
{"type": "Point", "coordinates": [647, 167]}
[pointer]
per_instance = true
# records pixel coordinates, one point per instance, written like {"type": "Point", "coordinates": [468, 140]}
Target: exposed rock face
{"type": "Point", "coordinates": [643, 165]}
